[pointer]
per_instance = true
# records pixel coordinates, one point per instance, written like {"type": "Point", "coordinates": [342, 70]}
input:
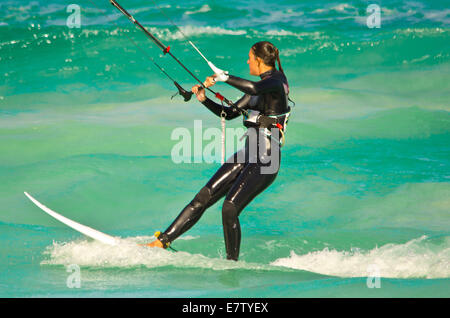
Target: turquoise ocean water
{"type": "Point", "coordinates": [86, 122]}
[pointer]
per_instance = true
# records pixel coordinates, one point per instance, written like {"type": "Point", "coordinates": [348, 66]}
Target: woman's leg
{"type": "Point", "coordinates": [247, 186]}
{"type": "Point", "coordinates": [215, 189]}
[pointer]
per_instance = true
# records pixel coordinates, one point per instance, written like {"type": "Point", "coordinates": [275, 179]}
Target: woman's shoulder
{"type": "Point", "coordinates": [279, 79]}
{"type": "Point", "coordinates": [280, 75]}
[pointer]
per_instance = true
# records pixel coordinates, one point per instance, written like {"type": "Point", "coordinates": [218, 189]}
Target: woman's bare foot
{"type": "Point", "coordinates": [156, 243]}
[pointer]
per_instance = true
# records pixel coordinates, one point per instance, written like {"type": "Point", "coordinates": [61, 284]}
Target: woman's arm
{"type": "Point", "coordinates": [231, 112]}
{"type": "Point", "coordinates": [253, 88]}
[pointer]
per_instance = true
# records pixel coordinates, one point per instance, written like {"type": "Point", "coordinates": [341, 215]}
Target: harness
{"type": "Point", "coordinates": [257, 120]}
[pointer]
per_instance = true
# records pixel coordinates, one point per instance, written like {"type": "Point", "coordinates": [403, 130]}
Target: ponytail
{"type": "Point", "coordinates": [278, 61]}
{"type": "Point", "coordinates": [281, 70]}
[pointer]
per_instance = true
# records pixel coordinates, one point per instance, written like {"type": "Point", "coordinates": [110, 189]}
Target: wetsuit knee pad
{"type": "Point", "coordinates": [202, 198]}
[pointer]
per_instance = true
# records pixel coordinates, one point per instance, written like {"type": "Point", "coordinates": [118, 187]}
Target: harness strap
{"type": "Point", "coordinates": [223, 114]}
{"type": "Point", "coordinates": [274, 122]}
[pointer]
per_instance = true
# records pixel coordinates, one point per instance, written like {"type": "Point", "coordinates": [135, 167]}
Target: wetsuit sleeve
{"type": "Point", "coordinates": [231, 112]}
{"type": "Point", "coordinates": [253, 88]}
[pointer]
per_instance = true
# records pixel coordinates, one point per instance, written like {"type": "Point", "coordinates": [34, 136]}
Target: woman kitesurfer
{"type": "Point", "coordinates": [242, 177]}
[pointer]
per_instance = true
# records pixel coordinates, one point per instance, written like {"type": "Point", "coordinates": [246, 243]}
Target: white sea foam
{"type": "Point", "coordinates": [343, 7]}
{"type": "Point", "coordinates": [188, 237]}
{"type": "Point", "coordinates": [166, 34]}
{"type": "Point", "coordinates": [442, 16]}
{"type": "Point", "coordinates": [128, 254]}
{"type": "Point", "coordinates": [309, 35]}
{"type": "Point", "coordinates": [204, 8]}
{"type": "Point", "coordinates": [417, 258]}
{"type": "Point", "coordinates": [277, 16]}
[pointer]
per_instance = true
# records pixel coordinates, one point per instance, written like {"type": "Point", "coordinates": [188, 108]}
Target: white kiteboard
{"type": "Point", "coordinates": [96, 235]}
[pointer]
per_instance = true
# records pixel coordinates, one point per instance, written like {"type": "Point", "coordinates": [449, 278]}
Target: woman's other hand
{"type": "Point", "coordinates": [210, 81]}
{"type": "Point", "coordinates": [199, 91]}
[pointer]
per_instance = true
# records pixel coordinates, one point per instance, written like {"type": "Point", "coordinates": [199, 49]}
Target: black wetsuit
{"type": "Point", "coordinates": [239, 180]}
